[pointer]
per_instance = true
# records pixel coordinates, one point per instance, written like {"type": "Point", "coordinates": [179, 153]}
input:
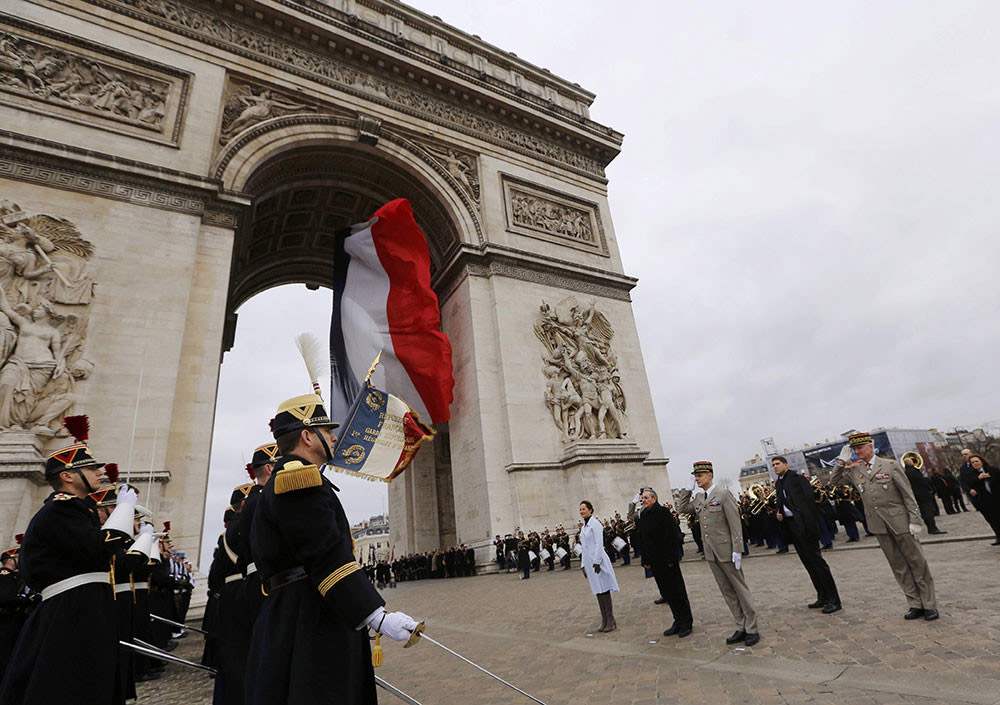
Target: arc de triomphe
{"type": "Point", "coordinates": [162, 161]}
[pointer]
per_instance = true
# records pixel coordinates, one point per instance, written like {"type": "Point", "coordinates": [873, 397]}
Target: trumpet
{"type": "Point", "coordinates": [759, 496]}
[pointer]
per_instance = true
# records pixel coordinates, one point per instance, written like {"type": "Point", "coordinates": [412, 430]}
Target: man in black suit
{"type": "Point", "coordinates": [796, 514]}
{"type": "Point", "coordinates": [660, 547]}
{"type": "Point", "coordinates": [922, 493]}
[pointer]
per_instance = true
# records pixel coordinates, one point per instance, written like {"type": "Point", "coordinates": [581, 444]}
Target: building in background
{"type": "Point", "coordinates": [371, 540]}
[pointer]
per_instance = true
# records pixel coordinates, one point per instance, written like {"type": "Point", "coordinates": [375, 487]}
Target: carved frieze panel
{"type": "Point", "coordinates": [461, 165]}
{"type": "Point", "coordinates": [206, 25]}
{"type": "Point", "coordinates": [58, 74]}
{"type": "Point", "coordinates": [46, 289]}
{"type": "Point", "coordinates": [248, 103]}
{"type": "Point", "coordinates": [583, 389]}
{"type": "Point", "coordinates": [541, 213]}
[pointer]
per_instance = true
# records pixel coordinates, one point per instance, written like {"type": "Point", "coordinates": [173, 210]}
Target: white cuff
{"type": "Point", "coordinates": [143, 544]}
{"type": "Point", "coordinates": [370, 618]}
{"type": "Point", "coordinates": [121, 518]}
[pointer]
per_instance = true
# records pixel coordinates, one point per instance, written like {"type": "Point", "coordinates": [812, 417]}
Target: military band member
{"type": "Point", "coordinates": [893, 516]}
{"type": "Point", "coordinates": [68, 649]}
{"type": "Point", "coordinates": [234, 634]}
{"type": "Point", "coordinates": [310, 644]}
{"type": "Point", "coordinates": [15, 602]}
{"type": "Point", "coordinates": [722, 533]}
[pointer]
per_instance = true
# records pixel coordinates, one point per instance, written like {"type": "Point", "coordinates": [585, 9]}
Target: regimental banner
{"type": "Point", "coordinates": [380, 436]}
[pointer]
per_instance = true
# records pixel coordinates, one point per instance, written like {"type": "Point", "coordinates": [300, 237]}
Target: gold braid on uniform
{"type": "Point", "coordinates": [296, 476]}
{"type": "Point", "coordinates": [337, 575]}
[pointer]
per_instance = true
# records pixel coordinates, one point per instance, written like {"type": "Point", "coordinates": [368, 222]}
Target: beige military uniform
{"type": "Point", "coordinates": [722, 535]}
{"type": "Point", "coordinates": [890, 508]}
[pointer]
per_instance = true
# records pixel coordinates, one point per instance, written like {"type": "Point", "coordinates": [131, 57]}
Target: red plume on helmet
{"type": "Point", "coordinates": [250, 472]}
{"type": "Point", "coordinates": [78, 426]}
{"type": "Point", "coordinates": [111, 472]}
{"type": "Point", "coordinates": [166, 526]}
{"type": "Point", "coordinates": [19, 538]}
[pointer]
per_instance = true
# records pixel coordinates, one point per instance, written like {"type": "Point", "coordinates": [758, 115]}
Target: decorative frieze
{"type": "Point", "coordinates": [74, 79]}
{"type": "Point", "coordinates": [248, 104]}
{"type": "Point", "coordinates": [549, 215]}
{"type": "Point", "coordinates": [462, 166]}
{"type": "Point", "coordinates": [206, 25]}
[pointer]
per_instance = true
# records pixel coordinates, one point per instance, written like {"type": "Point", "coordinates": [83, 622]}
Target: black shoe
{"type": "Point", "coordinates": [782, 550]}
{"type": "Point", "coordinates": [852, 540]}
{"type": "Point", "coordinates": [937, 532]}
{"type": "Point", "coordinates": [832, 607]}
{"type": "Point", "coordinates": [817, 604]}
{"type": "Point", "coordinates": [914, 613]}
{"type": "Point", "coordinates": [738, 636]}
{"type": "Point", "coordinates": [670, 632]}
{"type": "Point", "coordinates": [752, 639]}
{"type": "Point", "coordinates": [996, 543]}
{"type": "Point", "coordinates": [661, 601]}
{"type": "Point", "coordinates": [827, 547]}
{"type": "Point", "coordinates": [686, 631]}
{"type": "Point", "coordinates": [171, 645]}
{"type": "Point", "coordinates": [869, 533]}
{"type": "Point", "coordinates": [151, 676]}
{"type": "Point", "coordinates": [931, 615]}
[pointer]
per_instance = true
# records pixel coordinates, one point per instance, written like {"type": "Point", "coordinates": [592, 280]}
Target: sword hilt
{"type": "Point", "coordinates": [414, 636]}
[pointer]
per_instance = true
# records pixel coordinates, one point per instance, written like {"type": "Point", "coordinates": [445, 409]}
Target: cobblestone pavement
{"type": "Point", "coordinates": [538, 634]}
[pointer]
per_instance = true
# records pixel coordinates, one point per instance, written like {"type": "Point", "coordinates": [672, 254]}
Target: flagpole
{"type": "Point", "coordinates": [371, 370]}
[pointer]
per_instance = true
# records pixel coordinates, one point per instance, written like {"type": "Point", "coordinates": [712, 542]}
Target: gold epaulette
{"type": "Point", "coordinates": [296, 476]}
{"type": "Point", "coordinates": [62, 495]}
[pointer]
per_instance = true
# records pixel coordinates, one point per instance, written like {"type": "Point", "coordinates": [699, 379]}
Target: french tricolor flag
{"type": "Point", "coordinates": [383, 302]}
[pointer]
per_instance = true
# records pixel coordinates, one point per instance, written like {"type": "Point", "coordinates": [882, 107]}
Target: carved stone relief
{"type": "Point", "coordinates": [248, 104]}
{"type": "Point", "coordinates": [462, 166]}
{"type": "Point", "coordinates": [582, 383]}
{"type": "Point", "coordinates": [206, 25]}
{"type": "Point", "coordinates": [46, 290]}
{"type": "Point", "coordinates": [538, 212]}
{"type": "Point", "coordinates": [70, 77]}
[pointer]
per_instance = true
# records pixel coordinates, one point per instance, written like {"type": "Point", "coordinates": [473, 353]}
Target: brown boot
{"type": "Point", "coordinates": [602, 601]}
{"type": "Point", "coordinates": [611, 623]}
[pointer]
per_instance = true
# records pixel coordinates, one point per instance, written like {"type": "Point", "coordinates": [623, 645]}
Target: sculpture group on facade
{"type": "Point", "coordinates": [248, 105]}
{"type": "Point", "coordinates": [45, 295]}
{"type": "Point", "coordinates": [583, 385]}
{"type": "Point", "coordinates": [80, 82]}
{"type": "Point", "coordinates": [551, 217]}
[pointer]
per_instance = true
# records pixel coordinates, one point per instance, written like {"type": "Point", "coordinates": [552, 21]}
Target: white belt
{"type": "Point", "coordinates": [251, 568]}
{"type": "Point", "coordinates": [75, 582]}
{"type": "Point", "coordinates": [142, 586]}
{"type": "Point", "coordinates": [122, 587]}
{"type": "Point", "coordinates": [234, 577]}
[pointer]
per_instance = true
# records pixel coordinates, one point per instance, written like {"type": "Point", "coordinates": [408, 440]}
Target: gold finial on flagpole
{"type": "Point", "coordinates": [371, 370]}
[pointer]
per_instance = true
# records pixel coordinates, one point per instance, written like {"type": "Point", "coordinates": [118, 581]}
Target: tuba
{"type": "Point", "coordinates": [918, 460]}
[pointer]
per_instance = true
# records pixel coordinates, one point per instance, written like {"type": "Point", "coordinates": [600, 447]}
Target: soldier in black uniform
{"type": "Point", "coordinates": [68, 649]}
{"type": "Point", "coordinates": [233, 633]}
{"type": "Point", "coordinates": [15, 602]}
{"type": "Point", "coordinates": [310, 644]}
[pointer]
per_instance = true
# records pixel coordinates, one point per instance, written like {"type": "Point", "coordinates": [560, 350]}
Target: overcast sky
{"type": "Point", "coordinates": [807, 193]}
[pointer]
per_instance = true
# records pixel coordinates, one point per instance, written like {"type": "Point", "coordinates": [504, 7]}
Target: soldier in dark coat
{"type": "Point", "coordinates": [68, 649]}
{"type": "Point", "coordinates": [15, 602]}
{"type": "Point", "coordinates": [310, 643]}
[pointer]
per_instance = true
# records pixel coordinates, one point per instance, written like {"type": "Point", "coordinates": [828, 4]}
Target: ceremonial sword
{"type": "Point", "coordinates": [395, 691]}
{"type": "Point", "coordinates": [163, 656]}
{"type": "Point", "coordinates": [418, 633]}
{"type": "Point", "coordinates": [185, 627]}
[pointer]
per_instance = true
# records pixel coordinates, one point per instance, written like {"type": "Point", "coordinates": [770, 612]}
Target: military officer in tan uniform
{"type": "Point", "coordinates": [893, 516]}
{"type": "Point", "coordinates": [722, 535]}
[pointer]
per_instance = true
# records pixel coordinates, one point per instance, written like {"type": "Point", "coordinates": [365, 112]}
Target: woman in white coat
{"type": "Point", "coordinates": [596, 565]}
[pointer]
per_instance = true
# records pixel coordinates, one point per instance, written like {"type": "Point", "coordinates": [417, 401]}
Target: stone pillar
{"type": "Point", "coordinates": [22, 471]}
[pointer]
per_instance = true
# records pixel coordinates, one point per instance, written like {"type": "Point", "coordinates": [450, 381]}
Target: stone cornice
{"type": "Point", "coordinates": [354, 73]}
{"type": "Point", "coordinates": [26, 158]}
{"type": "Point", "coordinates": [593, 451]}
{"type": "Point", "coordinates": [497, 260]}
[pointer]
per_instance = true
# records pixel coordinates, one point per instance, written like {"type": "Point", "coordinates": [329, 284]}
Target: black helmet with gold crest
{"type": "Point", "coordinates": [299, 413]}
{"type": "Point", "coordinates": [76, 456]}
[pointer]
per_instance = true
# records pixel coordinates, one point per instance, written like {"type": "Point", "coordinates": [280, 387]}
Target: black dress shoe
{"type": "Point", "coordinates": [817, 604]}
{"type": "Point", "coordinates": [752, 639]}
{"type": "Point", "coordinates": [661, 601]}
{"type": "Point", "coordinates": [996, 543]}
{"type": "Point", "coordinates": [931, 615]}
{"type": "Point", "coordinates": [171, 645]}
{"type": "Point", "coordinates": [832, 607]}
{"type": "Point", "coordinates": [670, 632]}
{"type": "Point", "coordinates": [852, 540]}
{"type": "Point", "coordinates": [738, 636]}
{"type": "Point", "coordinates": [686, 631]}
{"type": "Point", "coordinates": [914, 613]}
{"type": "Point", "coordinates": [782, 550]}
{"type": "Point", "coordinates": [937, 532]}
{"type": "Point", "coordinates": [151, 676]}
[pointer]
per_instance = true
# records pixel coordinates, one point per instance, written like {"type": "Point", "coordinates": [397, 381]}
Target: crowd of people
{"type": "Point", "coordinates": [457, 561]}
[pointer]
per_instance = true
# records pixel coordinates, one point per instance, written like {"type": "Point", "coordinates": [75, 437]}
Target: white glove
{"type": "Point", "coordinates": [845, 454]}
{"type": "Point", "coordinates": [637, 498]}
{"type": "Point", "coordinates": [690, 484]}
{"type": "Point", "coordinates": [127, 495]}
{"type": "Point", "coordinates": [395, 625]}
{"type": "Point", "coordinates": [146, 528]}
{"type": "Point", "coordinates": [737, 559]}
{"type": "Point", "coordinates": [915, 529]}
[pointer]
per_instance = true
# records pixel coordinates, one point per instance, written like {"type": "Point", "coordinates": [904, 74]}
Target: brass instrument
{"type": "Point", "coordinates": [760, 497]}
{"type": "Point", "coordinates": [820, 492]}
{"type": "Point", "coordinates": [918, 460]}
